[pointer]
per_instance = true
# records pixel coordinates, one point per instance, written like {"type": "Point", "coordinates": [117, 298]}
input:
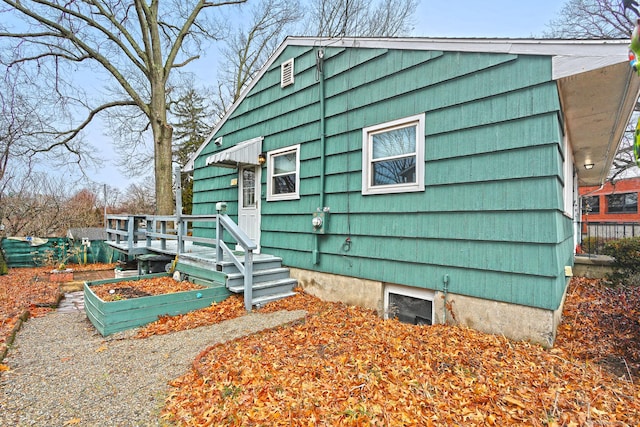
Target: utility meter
{"type": "Point", "coordinates": [319, 220]}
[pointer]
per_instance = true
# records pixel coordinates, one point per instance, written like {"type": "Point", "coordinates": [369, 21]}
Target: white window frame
{"type": "Point", "coordinates": [270, 156]}
{"type": "Point", "coordinates": [367, 151]}
{"type": "Point", "coordinates": [407, 291]}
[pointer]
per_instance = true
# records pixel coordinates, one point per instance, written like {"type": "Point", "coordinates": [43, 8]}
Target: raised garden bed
{"type": "Point", "coordinates": [134, 306]}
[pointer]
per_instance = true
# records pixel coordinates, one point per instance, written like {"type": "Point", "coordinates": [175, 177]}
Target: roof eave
{"type": "Point", "coordinates": [571, 58]}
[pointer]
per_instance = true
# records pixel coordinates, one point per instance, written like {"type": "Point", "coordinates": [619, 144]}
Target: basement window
{"type": "Point", "coordinates": [409, 305]}
{"type": "Point", "coordinates": [286, 73]}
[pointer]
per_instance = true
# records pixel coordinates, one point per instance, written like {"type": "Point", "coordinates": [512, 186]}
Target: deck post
{"type": "Point", "coordinates": [151, 225]}
{"type": "Point", "coordinates": [248, 279]}
{"type": "Point", "coordinates": [219, 254]}
{"type": "Point", "coordinates": [130, 231]}
{"type": "Point", "coordinates": [163, 230]}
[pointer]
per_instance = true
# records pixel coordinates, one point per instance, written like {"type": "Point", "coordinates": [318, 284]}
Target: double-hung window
{"type": "Point", "coordinates": [283, 169]}
{"type": "Point", "coordinates": [393, 156]}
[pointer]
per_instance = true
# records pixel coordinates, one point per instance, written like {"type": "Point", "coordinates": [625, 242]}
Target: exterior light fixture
{"type": "Point", "coordinates": [262, 158]}
{"type": "Point", "coordinates": [588, 166]}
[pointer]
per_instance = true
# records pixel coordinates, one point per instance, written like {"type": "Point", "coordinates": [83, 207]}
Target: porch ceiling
{"type": "Point", "coordinates": [597, 106]}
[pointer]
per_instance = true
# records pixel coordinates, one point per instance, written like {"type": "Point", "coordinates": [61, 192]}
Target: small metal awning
{"type": "Point", "coordinates": [244, 153]}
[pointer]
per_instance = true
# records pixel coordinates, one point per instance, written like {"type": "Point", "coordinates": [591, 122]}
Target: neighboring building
{"type": "Point", "coordinates": [608, 212]}
{"type": "Point", "coordinates": [85, 235]}
{"type": "Point", "coordinates": [87, 245]}
{"type": "Point", "coordinates": [611, 202]}
{"type": "Point", "coordinates": [434, 179]}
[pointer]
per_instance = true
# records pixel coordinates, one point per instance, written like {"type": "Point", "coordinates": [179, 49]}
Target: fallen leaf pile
{"type": "Point", "coordinates": [230, 308]}
{"type": "Point", "coordinates": [29, 289]}
{"type": "Point", "coordinates": [92, 267]}
{"type": "Point", "coordinates": [602, 324]}
{"type": "Point", "coordinates": [24, 289]}
{"type": "Point", "coordinates": [345, 366]}
{"type": "Point", "coordinates": [143, 287]}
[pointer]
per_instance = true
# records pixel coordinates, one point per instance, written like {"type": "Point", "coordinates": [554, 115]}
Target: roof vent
{"type": "Point", "coordinates": [286, 73]}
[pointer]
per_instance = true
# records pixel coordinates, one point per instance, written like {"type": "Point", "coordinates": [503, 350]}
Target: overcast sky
{"type": "Point", "coordinates": [492, 18]}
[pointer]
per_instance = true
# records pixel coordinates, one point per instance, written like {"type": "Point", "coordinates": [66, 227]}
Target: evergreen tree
{"type": "Point", "coordinates": [191, 128]}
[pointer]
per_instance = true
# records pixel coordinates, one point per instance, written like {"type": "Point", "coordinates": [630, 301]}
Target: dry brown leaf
{"type": "Point", "coordinates": [345, 366]}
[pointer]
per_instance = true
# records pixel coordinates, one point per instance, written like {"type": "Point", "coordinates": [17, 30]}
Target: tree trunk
{"type": "Point", "coordinates": [162, 136]}
{"type": "Point", "coordinates": [164, 176]}
{"type": "Point", "coordinates": [3, 262]}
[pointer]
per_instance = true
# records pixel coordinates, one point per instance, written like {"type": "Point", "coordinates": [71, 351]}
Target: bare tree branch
{"type": "Point", "coordinates": [601, 19]}
{"type": "Point", "coordinates": [137, 43]}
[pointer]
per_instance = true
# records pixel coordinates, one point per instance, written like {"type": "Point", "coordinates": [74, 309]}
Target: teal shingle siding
{"type": "Point", "coordinates": [491, 213]}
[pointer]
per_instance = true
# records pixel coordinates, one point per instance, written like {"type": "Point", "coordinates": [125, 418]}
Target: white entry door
{"type": "Point", "coordinates": [249, 202]}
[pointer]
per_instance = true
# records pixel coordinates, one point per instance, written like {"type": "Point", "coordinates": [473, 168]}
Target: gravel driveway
{"type": "Point", "coordinates": [63, 372]}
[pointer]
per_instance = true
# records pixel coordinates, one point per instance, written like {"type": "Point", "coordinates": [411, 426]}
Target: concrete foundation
{"type": "Point", "coordinates": [592, 266]}
{"type": "Point", "coordinates": [516, 322]}
{"type": "Point", "coordinates": [349, 290]}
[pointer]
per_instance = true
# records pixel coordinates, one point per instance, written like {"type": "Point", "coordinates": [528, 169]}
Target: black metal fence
{"type": "Point", "coordinates": [594, 235]}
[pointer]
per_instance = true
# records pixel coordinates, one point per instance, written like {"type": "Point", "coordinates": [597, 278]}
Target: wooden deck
{"type": "Point", "coordinates": [207, 259]}
{"type": "Point", "coordinates": [195, 252]}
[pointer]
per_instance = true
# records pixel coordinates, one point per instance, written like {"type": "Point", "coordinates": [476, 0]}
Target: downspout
{"type": "Point", "coordinates": [445, 289]}
{"type": "Point", "coordinates": [320, 77]}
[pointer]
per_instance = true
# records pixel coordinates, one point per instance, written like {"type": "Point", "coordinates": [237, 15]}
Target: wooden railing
{"type": "Point", "coordinates": [127, 231]}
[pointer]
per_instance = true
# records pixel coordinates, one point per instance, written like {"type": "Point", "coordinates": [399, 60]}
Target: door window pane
{"type": "Point", "coordinates": [248, 188]}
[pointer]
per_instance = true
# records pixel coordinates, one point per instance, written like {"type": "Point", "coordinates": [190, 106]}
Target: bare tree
{"type": "Point", "coordinates": [602, 19]}
{"type": "Point", "coordinates": [28, 116]}
{"type": "Point", "coordinates": [249, 47]}
{"type": "Point", "coordinates": [361, 18]}
{"type": "Point", "coordinates": [592, 19]}
{"type": "Point", "coordinates": [135, 44]}
{"type": "Point", "coordinates": [138, 198]}
{"type": "Point", "coordinates": [34, 205]}
{"type": "Point", "coordinates": [83, 210]}
{"type": "Point", "coordinates": [624, 163]}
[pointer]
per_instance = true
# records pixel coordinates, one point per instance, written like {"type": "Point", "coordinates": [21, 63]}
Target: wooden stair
{"type": "Point", "coordinates": [271, 281]}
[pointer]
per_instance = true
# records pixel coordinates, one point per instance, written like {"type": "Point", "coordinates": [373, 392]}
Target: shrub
{"type": "Point", "coordinates": [626, 264]}
{"type": "Point", "coordinates": [593, 245]}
